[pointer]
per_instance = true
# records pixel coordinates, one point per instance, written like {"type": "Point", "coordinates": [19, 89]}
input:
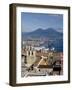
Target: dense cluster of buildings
{"type": "Point", "coordinates": [40, 61]}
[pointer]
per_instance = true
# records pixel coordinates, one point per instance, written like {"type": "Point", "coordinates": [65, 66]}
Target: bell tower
{"type": "Point", "coordinates": [31, 56]}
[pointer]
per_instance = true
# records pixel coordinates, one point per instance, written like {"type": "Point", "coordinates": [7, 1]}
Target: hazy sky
{"type": "Point", "coordinates": [33, 21]}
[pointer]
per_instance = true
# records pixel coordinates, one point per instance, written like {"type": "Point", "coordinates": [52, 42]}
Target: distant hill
{"type": "Point", "coordinates": [55, 39]}
{"type": "Point", "coordinates": [47, 33]}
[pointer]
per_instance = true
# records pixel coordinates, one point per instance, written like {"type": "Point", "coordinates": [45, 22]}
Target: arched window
{"type": "Point", "coordinates": [25, 60]}
{"type": "Point", "coordinates": [32, 52]}
{"type": "Point", "coordinates": [29, 53]}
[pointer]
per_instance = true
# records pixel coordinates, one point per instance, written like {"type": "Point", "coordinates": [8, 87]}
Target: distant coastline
{"type": "Point", "coordinates": [50, 38]}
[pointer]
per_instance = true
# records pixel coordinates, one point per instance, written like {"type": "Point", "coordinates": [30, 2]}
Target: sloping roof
{"type": "Point", "coordinates": [36, 62]}
{"type": "Point", "coordinates": [41, 63]}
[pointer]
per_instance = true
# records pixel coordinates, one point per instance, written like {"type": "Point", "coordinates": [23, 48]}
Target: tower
{"type": "Point", "coordinates": [31, 56]}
